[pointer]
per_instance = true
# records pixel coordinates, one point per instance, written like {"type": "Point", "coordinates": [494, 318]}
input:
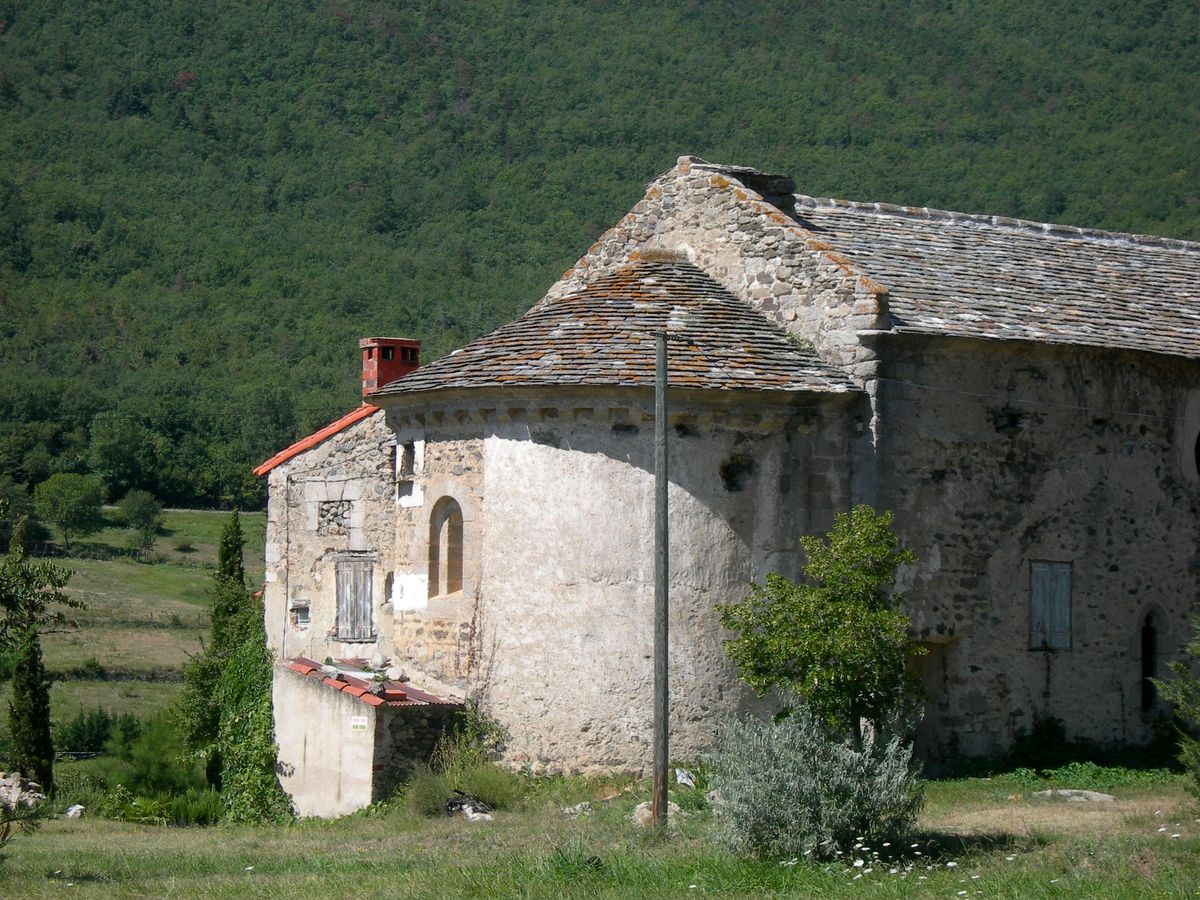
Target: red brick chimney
{"type": "Point", "coordinates": [386, 359]}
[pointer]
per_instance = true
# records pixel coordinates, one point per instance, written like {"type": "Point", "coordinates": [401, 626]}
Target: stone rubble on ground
{"type": "Point", "coordinates": [17, 791]}
{"type": "Point", "coordinates": [643, 815]}
{"type": "Point", "coordinates": [1076, 796]}
{"type": "Point", "coordinates": [579, 809]}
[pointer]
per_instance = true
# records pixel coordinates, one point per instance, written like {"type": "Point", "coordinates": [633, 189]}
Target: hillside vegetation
{"type": "Point", "coordinates": [202, 207]}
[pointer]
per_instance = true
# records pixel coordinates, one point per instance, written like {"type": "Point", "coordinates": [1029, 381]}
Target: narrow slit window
{"type": "Point", "coordinates": [1049, 605]}
{"type": "Point", "coordinates": [1149, 662]}
{"type": "Point", "coordinates": [445, 548]}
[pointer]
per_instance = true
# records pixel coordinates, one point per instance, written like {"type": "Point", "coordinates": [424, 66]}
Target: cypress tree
{"type": "Point", "coordinates": [229, 553]}
{"type": "Point", "coordinates": [29, 714]}
{"type": "Point", "coordinates": [200, 707]}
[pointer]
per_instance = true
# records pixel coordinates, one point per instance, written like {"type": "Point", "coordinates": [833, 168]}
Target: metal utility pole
{"type": "Point", "coordinates": [661, 694]}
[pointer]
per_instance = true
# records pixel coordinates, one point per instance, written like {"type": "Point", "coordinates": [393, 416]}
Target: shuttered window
{"type": "Point", "coordinates": [1049, 605]}
{"type": "Point", "coordinates": [354, 606]}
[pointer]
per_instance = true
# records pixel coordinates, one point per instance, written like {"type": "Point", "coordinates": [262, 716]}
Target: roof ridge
{"type": "Point", "coordinates": [1048, 228]}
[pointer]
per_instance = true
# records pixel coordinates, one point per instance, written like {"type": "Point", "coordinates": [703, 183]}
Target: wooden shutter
{"type": "Point", "coordinates": [354, 599]}
{"type": "Point", "coordinates": [1050, 605]}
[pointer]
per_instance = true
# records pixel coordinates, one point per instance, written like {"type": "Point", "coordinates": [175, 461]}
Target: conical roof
{"type": "Point", "coordinates": [603, 334]}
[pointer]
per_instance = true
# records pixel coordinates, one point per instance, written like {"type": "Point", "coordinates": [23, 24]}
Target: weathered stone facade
{"type": "Point", "coordinates": [334, 502]}
{"type": "Point", "coordinates": [553, 628]}
{"type": "Point", "coordinates": [993, 456]}
{"type": "Point", "coordinates": [995, 383]}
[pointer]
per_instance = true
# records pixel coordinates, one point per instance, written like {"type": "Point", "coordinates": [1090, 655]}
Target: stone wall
{"type": "Point", "coordinates": [406, 736]}
{"type": "Point", "coordinates": [558, 631]}
{"type": "Point", "coordinates": [432, 631]}
{"type": "Point", "coordinates": [993, 454]}
{"type": "Point", "coordinates": [335, 500]}
{"type": "Point", "coordinates": [338, 753]}
{"type": "Point", "coordinates": [752, 247]}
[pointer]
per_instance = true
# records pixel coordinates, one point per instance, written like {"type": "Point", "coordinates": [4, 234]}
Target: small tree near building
{"type": "Point", "coordinates": [813, 781]}
{"type": "Point", "coordinates": [230, 552]}
{"type": "Point", "coordinates": [225, 708]}
{"type": "Point", "coordinates": [1184, 692]}
{"type": "Point", "coordinates": [72, 502]}
{"type": "Point", "coordinates": [839, 642]}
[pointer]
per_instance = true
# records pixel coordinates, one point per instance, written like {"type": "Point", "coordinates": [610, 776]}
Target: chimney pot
{"type": "Point", "coordinates": [386, 359]}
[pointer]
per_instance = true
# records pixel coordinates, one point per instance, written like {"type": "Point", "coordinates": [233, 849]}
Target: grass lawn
{"type": "Point", "coordinates": [976, 840]}
{"type": "Point", "coordinates": [69, 698]}
{"type": "Point", "coordinates": [189, 538]}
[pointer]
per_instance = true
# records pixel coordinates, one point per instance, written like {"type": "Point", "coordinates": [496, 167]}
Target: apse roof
{"type": "Point", "coordinates": [603, 334]}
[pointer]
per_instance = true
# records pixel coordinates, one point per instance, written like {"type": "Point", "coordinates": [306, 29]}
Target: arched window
{"type": "Point", "coordinates": [1149, 661]}
{"type": "Point", "coordinates": [445, 548]}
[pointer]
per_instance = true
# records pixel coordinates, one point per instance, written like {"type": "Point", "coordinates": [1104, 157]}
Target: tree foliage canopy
{"type": "Point", "coordinates": [201, 210]}
{"type": "Point", "coordinates": [839, 641]}
{"type": "Point", "coordinates": [72, 502]}
{"type": "Point", "coordinates": [31, 595]}
{"type": "Point", "coordinates": [230, 560]}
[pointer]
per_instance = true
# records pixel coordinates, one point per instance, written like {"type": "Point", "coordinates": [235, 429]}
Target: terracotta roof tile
{"type": "Point", "coordinates": [395, 693]}
{"type": "Point", "coordinates": [315, 438]}
{"type": "Point", "coordinates": [604, 335]}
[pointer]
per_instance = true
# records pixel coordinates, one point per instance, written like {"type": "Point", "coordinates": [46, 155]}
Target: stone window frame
{"type": "Point", "coordinates": [1051, 586]}
{"type": "Point", "coordinates": [446, 548]}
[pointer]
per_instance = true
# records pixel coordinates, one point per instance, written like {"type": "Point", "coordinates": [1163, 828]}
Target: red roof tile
{"type": "Point", "coordinates": [317, 437]}
{"type": "Point", "coordinates": [395, 693]}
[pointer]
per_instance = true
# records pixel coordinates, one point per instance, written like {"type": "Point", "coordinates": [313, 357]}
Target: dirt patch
{"type": "Point", "coordinates": [1024, 816]}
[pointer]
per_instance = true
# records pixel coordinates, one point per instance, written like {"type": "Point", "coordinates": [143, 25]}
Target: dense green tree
{"type": "Point", "coordinates": [121, 452]}
{"type": "Point", "coordinates": [230, 616]}
{"type": "Point", "coordinates": [29, 714]}
{"type": "Point", "coordinates": [230, 563]}
{"type": "Point", "coordinates": [72, 502]}
{"type": "Point", "coordinates": [838, 641]}
{"type": "Point", "coordinates": [250, 790]}
{"type": "Point", "coordinates": [142, 513]}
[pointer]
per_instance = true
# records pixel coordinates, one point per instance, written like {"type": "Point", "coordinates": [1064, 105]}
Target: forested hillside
{"type": "Point", "coordinates": [204, 205]}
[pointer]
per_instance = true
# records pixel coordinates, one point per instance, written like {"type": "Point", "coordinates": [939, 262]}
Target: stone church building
{"type": "Point", "coordinates": [1024, 397]}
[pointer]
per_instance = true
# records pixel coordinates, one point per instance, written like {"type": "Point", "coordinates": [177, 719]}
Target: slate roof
{"type": "Point", "coordinates": [992, 277]}
{"type": "Point", "coordinates": [604, 335]}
